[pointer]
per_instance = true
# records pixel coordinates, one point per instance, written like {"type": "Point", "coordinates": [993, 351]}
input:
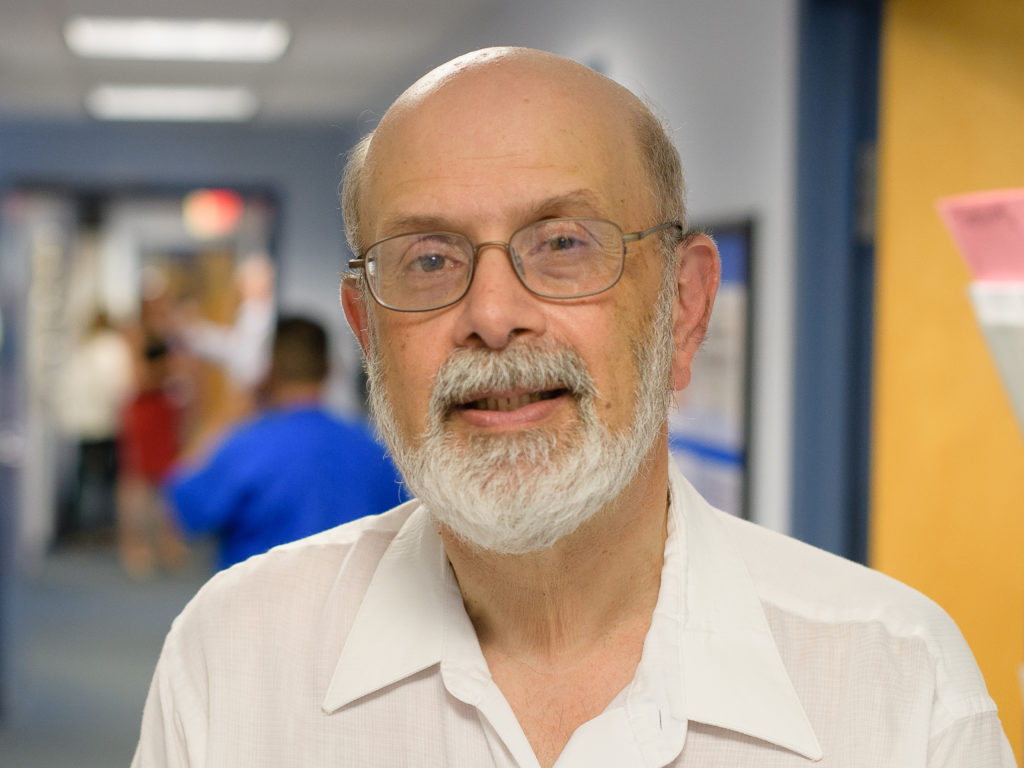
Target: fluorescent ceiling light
{"type": "Point", "coordinates": [177, 103]}
{"type": "Point", "coordinates": [177, 39]}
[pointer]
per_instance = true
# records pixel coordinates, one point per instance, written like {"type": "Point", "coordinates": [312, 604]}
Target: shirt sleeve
{"type": "Point", "coordinates": [977, 741]}
{"type": "Point", "coordinates": [173, 732]}
{"type": "Point", "coordinates": [204, 497]}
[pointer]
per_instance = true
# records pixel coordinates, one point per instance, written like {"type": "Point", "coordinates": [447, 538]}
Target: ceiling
{"type": "Point", "coordinates": [344, 57]}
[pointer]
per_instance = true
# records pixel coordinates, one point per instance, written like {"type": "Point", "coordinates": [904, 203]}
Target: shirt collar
{"type": "Point", "coordinates": [709, 630]}
{"type": "Point", "coordinates": [733, 675]}
{"type": "Point", "coordinates": [399, 626]}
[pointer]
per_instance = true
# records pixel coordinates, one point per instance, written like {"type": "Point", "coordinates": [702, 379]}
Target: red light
{"type": "Point", "coordinates": [212, 213]}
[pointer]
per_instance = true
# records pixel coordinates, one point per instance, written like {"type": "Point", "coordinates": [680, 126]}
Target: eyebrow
{"type": "Point", "coordinates": [577, 202]}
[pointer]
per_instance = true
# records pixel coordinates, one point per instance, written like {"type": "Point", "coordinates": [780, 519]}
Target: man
{"type": "Point", "coordinates": [558, 594]}
{"type": "Point", "coordinates": [279, 477]}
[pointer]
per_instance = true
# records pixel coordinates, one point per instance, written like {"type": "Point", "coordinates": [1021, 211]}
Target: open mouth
{"type": "Point", "coordinates": [504, 404]}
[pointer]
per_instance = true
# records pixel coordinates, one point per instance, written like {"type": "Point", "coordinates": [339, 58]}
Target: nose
{"type": "Point", "coordinates": [498, 307]}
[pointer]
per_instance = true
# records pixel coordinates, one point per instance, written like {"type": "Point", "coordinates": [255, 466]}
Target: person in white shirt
{"type": "Point", "coordinates": [242, 349]}
{"type": "Point", "coordinates": [93, 386]}
{"type": "Point", "coordinates": [528, 297]}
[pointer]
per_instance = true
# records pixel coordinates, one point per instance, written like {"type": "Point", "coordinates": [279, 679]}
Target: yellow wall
{"type": "Point", "coordinates": [947, 504]}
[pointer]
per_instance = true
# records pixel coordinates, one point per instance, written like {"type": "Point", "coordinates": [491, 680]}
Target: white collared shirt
{"type": "Point", "coordinates": [352, 648]}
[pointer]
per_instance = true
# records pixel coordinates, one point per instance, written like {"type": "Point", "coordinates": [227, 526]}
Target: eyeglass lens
{"type": "Point", "coordinates": [558, 258]}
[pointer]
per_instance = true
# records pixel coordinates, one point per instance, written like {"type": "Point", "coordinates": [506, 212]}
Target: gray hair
{"type": "Point", "coordinates": [351, 188]}
{"type": "Point", "coordinates": [665, 173]}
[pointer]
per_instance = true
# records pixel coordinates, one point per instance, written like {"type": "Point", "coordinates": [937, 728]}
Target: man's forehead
{"type": "Point", "coordinates": [494, 120]}
{"type": "Point", "coordinates": [438, 191]}
{"type": "Point", "coordinates": [576, 202]}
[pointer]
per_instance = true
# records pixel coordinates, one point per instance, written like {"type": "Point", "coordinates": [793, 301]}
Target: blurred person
{"type": "Point", "coordinates": [291, 471]}
{"type": "Point", "coordinates": [157, 306]}
{"type": "Point", "coordinates": [528, 297]}
{"type": "Point", "coordinates": [241, 349]}
{"type": "Point", "coordinates": [150, 443]}
{"type": "Point", "coordinates": [94, 384]}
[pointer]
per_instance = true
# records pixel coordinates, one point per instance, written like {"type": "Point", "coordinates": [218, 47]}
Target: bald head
{"type": "Point", "coordinates": [498, 68]}
{"type": "Point", "coordinates": [502, 104]}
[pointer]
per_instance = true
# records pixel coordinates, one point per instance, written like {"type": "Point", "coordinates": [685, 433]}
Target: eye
{"type": "Point", "coordinates": [431, 255]}
{"type": "Point", "coordinates": [429, 262]}
{"type": "Point", "coordinates": [565, 238]}
{"type": "Point", "coordinates": [562, 242]}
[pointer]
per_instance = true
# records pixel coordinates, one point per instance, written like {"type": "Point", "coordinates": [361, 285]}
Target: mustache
{"type": "Point", "coordinates": [467, 374]}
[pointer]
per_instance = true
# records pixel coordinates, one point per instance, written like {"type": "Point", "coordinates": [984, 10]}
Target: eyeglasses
{"type": "Point", "coordinates": [554, 258]}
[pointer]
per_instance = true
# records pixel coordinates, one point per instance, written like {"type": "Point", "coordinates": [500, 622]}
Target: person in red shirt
{"type": "Point", "coordinates": [150, 443]}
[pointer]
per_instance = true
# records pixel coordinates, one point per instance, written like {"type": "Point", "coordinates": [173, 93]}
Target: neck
{"type": "Point", "coordinates": [295, 393]}
{"type": "Point", "coordinates": [595, 586]}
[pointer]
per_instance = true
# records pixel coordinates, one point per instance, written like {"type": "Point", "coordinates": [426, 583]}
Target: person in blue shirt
{"type": "Point", "coordinates": [294, 470]}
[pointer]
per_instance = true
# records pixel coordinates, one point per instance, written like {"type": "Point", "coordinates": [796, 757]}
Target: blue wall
{"type": "Point", "coordinates": [300, 164]}
{"type": "Point", "coordinates": [835, 273]}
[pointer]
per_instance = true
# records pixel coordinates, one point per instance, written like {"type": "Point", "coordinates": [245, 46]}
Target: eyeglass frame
{"type": "Point", "coordinates": [359, 262]}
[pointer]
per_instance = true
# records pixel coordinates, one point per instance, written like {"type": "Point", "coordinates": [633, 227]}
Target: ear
{"type": "Point", "coordinates": [356, 312]}
{"type": "Point", "coordinates": [697, 275]}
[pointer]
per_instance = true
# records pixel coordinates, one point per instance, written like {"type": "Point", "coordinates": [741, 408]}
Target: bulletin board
{"type": "Point", "coordinates": [709, 422]}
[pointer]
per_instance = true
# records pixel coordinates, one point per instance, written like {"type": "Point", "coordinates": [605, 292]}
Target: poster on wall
{"type": "Point", "coordinates": [708, 425]}
{"type": "Point", "coordinates": [988, 229]}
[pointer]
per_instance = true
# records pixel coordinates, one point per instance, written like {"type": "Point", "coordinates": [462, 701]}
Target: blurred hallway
{"type": "Point", "coordinates": [85, 642]}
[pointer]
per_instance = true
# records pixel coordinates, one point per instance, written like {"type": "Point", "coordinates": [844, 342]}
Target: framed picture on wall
{"type": "Point", "coordinates": [709, 424]}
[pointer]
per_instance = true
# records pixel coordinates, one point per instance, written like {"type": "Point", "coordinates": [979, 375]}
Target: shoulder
{"type": "Point", "coordinates": [809, 581]}
{"type": "Point", "coordinates": [851, 609]}
{"type": "Point", "coordinates": [320, 420]}
{"type": "Point", "coordinates": [355, 434]}
{"type": "Point", "coordinates": [260, 434]}
{"type": "Point", "coordinates": [286, 592]}
{"type": "Point", "coordinates": [348, 424]}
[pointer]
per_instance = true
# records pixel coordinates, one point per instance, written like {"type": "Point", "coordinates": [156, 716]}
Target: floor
{"type": "Point", "coordinates": [84, 639]}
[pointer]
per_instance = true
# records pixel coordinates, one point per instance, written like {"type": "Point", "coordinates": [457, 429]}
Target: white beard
{"type": "Point", "coordinates": [521, 492]}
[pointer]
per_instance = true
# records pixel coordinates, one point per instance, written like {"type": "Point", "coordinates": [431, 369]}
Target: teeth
{"type": "Point", "coordinates": [504, 404]}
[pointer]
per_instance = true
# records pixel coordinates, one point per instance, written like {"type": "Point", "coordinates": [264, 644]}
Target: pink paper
{"type": "Point", "coordinates": [988, 228]}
